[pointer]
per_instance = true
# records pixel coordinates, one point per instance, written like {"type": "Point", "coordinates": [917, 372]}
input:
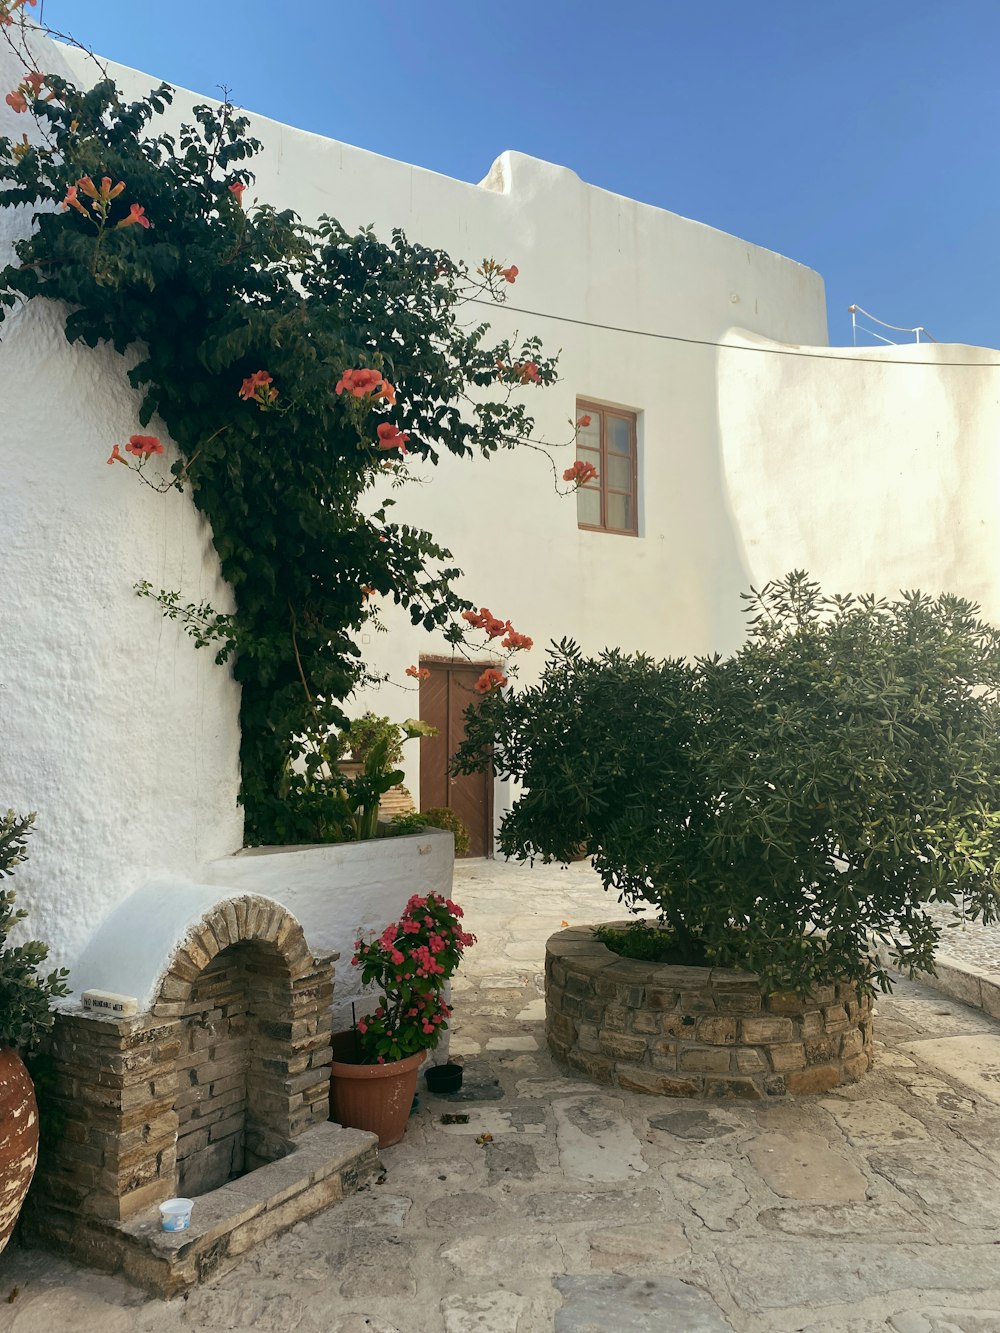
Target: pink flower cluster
{"type": "Point", "coordinates": [410, 961]}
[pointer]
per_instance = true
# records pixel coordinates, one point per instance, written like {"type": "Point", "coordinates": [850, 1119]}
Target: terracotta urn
{"type": "Point", "coordinates": [18, 1138]}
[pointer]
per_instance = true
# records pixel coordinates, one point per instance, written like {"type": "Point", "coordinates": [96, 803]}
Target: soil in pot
{"type": "Point", "coordinates": [647, 942]}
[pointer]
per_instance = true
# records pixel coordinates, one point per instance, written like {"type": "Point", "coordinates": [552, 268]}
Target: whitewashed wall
{"type": "Point", "coordinates": [120, 736]}
{"type": "Point", "coordinates": [124, 737]}
{"type": "Point", "coordinates": [585, 254]}
{"type": "Point", "coordinates": [877, 470]}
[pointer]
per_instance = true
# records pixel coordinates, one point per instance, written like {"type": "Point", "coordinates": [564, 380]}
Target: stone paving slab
{"type": "Point", "coordinates": [874, 1208]}
{"type": "Point", "coordinates": [599, 1304]}
{"type": "Point", "coordinates": [973, 1060]}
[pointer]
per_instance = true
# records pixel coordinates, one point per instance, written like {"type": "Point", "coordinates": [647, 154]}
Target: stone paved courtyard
{"type": "Point", "coordinates": [876, 1207]}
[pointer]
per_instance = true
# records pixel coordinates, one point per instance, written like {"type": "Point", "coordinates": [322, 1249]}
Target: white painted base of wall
{"type": "Point", "coordinates": [338, 893]}
{"type": "Point", "coordinates": [342, 892]}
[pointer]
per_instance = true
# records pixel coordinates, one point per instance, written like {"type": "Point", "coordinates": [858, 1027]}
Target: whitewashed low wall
{"type": "Point", "coordinates": [342, 892]}
{"type": "Point", "coordinates": [336, 893]}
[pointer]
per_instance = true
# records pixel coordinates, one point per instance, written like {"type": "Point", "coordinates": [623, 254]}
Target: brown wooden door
{"type": "Point", "coordinates": [444, 697]}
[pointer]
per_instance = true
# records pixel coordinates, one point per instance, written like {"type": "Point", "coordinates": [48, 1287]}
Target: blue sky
{"type": "Point", "coordinates": [860, 138]}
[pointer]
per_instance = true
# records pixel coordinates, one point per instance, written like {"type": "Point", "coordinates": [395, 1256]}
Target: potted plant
{"type": "Point", "coordinates": [375, 1065]}
{"type": "Point", "coordinates": [25, 1015]}
{"type": "Point", "coordinates": [360, 735]}
{"type": "Point", "coordinates": [780, 807]}
{"type": "Point", "coordinates": [344, 796]}
{"type": "Point", "coordinates": [381, 749]}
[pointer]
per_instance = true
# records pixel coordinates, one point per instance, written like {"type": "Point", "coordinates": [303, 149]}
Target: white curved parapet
{"type": "Point", "coordinates": [343, 891]}
{"type": "Point", "coordinates": [336, 893]}
{"type": "Point", "coordinates": [135, 944]}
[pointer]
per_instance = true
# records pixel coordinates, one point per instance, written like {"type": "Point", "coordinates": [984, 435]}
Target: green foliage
{"type": "Point", "coordinates": [14, 833]}
{"type": "Point", "coordinates": [366, 790]}
{"type": "Point", "coordinates": [402, 825]}
{"type": "Point", "coordinates": [359, 734]}
{"type": "Point", "coordinates": [440, 817]}
{"type": "Point", "coordinates": [347, 808]}
{"type": "Point", "coordinates": [343, 809]}
{"type": "Point", "coordinates": [820, 786]}
{"type": "Point", "coordinates": [645, 941]}
{"type": "Point", "coordinates": [437, 817]}
{"type": "Point", "coordinates": [25, 997]}
{"type": "Point", "coordinates": [209, 295]}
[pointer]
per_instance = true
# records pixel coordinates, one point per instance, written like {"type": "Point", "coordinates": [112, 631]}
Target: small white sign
{"type": "Point", "coordinates": [105, 1002]}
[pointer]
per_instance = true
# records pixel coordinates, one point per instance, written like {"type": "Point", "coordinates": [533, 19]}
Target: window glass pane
{"type": "Point", "coordinates": [620, 512]}
{"type": "Point", "coordinates": [618, 473]}
{"type": "Point", "coordinates": [608, 443]}
{"type": "Point", "coordinates": [588, 506]}
{"type": "Point", "coordinates": [589, 437]}
{"type": "Point", "coordinates": [619, 435]}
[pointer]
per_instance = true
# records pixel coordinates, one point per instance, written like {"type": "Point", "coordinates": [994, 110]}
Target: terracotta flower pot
{"type": "Point", "coordinates": [373, 1097]}
{"type": "Point", "coordinates": [18, 1138]}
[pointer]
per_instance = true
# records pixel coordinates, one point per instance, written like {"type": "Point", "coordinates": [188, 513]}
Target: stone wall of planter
{"type": "Point", "coordinates": [697, 1031]}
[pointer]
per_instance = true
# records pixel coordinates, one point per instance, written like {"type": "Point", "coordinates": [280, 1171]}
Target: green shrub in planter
{"type": "Point", "coordinates": [438, 817]}
{"type": "Point", "coordinates": [780, 806]}
{"type": "Point", "coordinates": [402, 825]}
{"type": "Point", "coordinates": [441, 817]}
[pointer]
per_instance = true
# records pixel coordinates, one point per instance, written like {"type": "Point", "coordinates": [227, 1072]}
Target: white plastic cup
{"type": "Point", "coordinates": [175, 1214]}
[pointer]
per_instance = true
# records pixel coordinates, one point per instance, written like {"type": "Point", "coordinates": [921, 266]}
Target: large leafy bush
{"type": "Point", "coordinates": [822, 785]}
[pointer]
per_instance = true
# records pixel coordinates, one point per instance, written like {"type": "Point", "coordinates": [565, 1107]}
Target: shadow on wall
{"type": "Point", "coordinates": [700, 509]}
{"type": "Point", "coordinates": [870, 474]}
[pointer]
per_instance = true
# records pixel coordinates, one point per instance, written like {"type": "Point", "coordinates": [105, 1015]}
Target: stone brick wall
{"type": "Point", "coordinates": [697, 1031]}
{"type": "Point", "coordinates": [212, 1075]}
{"type": "Point", "coordinates": [232, 1062]}
{"type": "Point", "coordinates": [112, 1149]}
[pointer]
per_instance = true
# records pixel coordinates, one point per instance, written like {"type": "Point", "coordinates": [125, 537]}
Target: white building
{"type": "Point", "coordinates": [757, 449]}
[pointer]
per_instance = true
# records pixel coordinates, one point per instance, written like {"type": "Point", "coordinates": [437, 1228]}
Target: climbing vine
{"type": "Point", "coordinates": [298, 370]}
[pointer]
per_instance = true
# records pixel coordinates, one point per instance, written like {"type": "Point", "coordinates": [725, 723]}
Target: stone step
{"type": "Point", "coordinates": [327, 1163]}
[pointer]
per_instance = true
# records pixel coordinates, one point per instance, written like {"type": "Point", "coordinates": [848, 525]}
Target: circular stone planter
{"type": "Point", "coordinates": [697, 1031]}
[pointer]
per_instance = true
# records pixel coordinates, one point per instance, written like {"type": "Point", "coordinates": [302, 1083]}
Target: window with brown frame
{"type": "Point", "coordinates": [609, 503]}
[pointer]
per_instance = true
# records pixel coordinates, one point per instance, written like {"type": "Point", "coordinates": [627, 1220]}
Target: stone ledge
{"type": "Point", "coordinates": [977, 987]}
{"type": "Point", "coordinates": [327, 1163]}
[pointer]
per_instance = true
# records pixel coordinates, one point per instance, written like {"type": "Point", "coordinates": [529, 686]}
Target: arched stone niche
{"type": "Point", "coordinates": [248, 1077]}
{"type": "Point", "coordinates": [181, 1093]}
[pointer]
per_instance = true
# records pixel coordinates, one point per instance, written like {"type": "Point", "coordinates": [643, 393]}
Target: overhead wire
{"type": "Point", "coordinates": [815, 355]}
